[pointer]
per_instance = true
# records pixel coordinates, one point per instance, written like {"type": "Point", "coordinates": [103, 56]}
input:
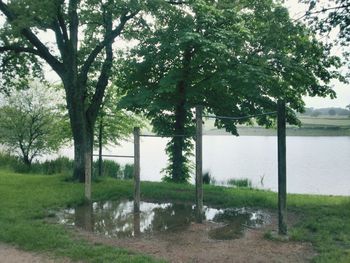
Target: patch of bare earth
{"type": "Point", "coordinates": [9, 254]}
{"type": "Point", "coordinates": [194, 245]}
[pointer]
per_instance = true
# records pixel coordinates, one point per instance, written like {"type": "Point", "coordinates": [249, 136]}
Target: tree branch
{"type": "Point", "coordinates": [19, 49]}
{"type": "Point", "coordinates": [33, 39]}
{"type": "Point", "coordinates": [73, 23]}
{"type": "Point", "coordinates": [105, 73]}
{"type": "Point", "coordinates": [62, 23]}
{"type": "Point", "coordinates": [323, 10]}
{"type": "Point", "coordinates": [176, 2]}
{"type": "Point", "coordinates": [109, 38]}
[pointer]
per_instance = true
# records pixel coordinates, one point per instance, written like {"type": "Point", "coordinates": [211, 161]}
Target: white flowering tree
{"type": "Point", "coordinates": [32, 123]}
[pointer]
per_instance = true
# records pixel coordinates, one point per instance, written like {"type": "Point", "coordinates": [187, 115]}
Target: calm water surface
{"type": "Point", "coordinates": [315, 165]}
{"type": "Point", "coordinates": [116, 219]}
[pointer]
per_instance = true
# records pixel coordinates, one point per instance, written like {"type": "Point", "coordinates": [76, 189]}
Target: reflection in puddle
{"type": "Point", "coordinates": [116, 219]}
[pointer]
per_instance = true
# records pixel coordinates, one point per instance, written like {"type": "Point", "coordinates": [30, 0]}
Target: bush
{"type": "Point", "coordinates": [128, 171]}
{"type": "Point", "coordinates": [207, 178]}
{"type": "Point", "coordinates": [109, 168]}
{"type": "Point", "coordinates": [242, 182]}
{"type": "Point", "coordinates": [8, 161]}
{"type": "Point", "coordinates": [61, 165]}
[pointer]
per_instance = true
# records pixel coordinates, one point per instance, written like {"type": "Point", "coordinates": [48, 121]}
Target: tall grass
{"type": "Point", "coordinates": [240, 182]}
{"type": "Point", "coordinates": [64, 165]}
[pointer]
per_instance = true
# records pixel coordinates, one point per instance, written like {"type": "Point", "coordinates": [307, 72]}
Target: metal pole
{"type": "Point", "coordinates": [199, 174]}
{"type": "Point", "coordinates": [282, 168]}
{"type": "Point", "coordinates": [136, 170]}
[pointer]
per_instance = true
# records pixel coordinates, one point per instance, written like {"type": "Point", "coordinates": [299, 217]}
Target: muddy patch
{"type": "Point", "coordinates": [168, 231]}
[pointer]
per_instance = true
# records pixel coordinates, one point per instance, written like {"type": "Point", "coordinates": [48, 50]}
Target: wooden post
{"type": "Point", "coordinates": [137, 224]}
{"type": "Point", "coordinates": [199, 174]}
{"type": "Point", "coordinates": [136, 170]}
{"type": "Point", "coordinates": [282, 167]}
{"type": "Point", "coordinates": [88, 173]}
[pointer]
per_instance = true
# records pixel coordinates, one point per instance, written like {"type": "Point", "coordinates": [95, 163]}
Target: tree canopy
{"type": "Point", "coordinates": [236, 59]}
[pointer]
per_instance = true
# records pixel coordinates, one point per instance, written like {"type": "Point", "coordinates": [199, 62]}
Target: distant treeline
{"type": "Point", "coordinates": [326, 111]}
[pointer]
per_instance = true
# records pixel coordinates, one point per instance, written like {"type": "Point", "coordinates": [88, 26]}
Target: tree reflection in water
{"type": "Point", "coordinates": [117, 219]}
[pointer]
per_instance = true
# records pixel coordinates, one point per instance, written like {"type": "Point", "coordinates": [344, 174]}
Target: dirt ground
{"type": "Point", "coordinates": [9, 254]}
{"type": "Point", "coordinates": [194, 245]}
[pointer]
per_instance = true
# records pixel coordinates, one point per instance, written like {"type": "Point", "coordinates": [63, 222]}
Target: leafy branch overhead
{"type": "Point", "coordinates": [236, 59]}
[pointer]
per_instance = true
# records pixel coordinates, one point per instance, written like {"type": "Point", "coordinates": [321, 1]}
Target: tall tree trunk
{"type": "Point", "coordinates": [178, 160]}
{"type": "Point", "coordinates": [178, 141]}
{"type": "Point", "coordinates": [27, 160]}
{"type": "Point", "coordinates": [82, 130]}
{"type": "Point", "coordinates": [81, 141]}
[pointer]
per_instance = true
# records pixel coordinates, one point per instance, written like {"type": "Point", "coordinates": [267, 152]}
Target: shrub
{"type": "Point", "coordinates": [207, 178]}
{"type": "Point", "coordinates": [64, 165]}
{"type": "Point", "coordinates": [8, 161]}
{"type": "Point", "coordinates": [58, 166]}
{"type": "Point", "coordinates": [109, 168]}
{"type": "Point", "coordinates": [128, 171]}
{"type": "Point", "coordinates": [241, 182]}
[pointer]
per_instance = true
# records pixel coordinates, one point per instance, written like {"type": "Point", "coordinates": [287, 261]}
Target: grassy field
{"type": "Point", "coordinates": [310, 126]}
{"type": "Point", "coordinates": [26, 200]}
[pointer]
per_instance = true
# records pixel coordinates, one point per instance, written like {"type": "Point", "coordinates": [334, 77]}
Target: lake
{"type": "Point", "coordinates": [315, 165]}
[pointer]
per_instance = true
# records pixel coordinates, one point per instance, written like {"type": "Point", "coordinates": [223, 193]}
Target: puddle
{"type": "Point", "coordinates": [116, 219]}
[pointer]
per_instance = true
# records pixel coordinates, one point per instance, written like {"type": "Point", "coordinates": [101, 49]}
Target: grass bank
{"type": "Point", "coordinates": [26, 200]}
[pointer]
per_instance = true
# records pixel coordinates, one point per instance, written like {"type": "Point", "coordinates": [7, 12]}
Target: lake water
{"type": "Point", "coordinates": [315, 165]}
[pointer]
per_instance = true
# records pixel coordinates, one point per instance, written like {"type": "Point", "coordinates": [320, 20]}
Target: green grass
{"type": "Point", "coordinates": [26, 200]}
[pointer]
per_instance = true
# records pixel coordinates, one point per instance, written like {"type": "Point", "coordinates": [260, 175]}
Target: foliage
{"type": "Point", "coordinates": [242, 182]}
{"type": "Point", "coordinates": [113, 123]}
{"type": "Point", "coordinates": [31, 123]}
{"type": "Point", "coordinates": [235, 59]}
{"type": "Point", "coordinates": [327, 111]}
{"type": "Point", "coordinates": [61, 165]}
{"type": "Point", "coordinates": [207, 178]}
{"type": "Point", "coordinates": [330, 18]}
{"type": "Point", "coordinates": [128, 171]}
{"type": "Point", "coordinates": [110, 168]}
{"type": "Point", "coordinates": [325, 16]}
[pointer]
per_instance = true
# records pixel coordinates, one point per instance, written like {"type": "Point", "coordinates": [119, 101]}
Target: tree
{"type": "Point", "coordinates": [236, 59]}
{"type": "Point", "coordinates": [113, 124]}
{"type": "Point", "coordinates": [332, 112]}
{"type": "Point", "coordinates": [80, 51]}
{"type": "Point", "coordinates": [31, 123]}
